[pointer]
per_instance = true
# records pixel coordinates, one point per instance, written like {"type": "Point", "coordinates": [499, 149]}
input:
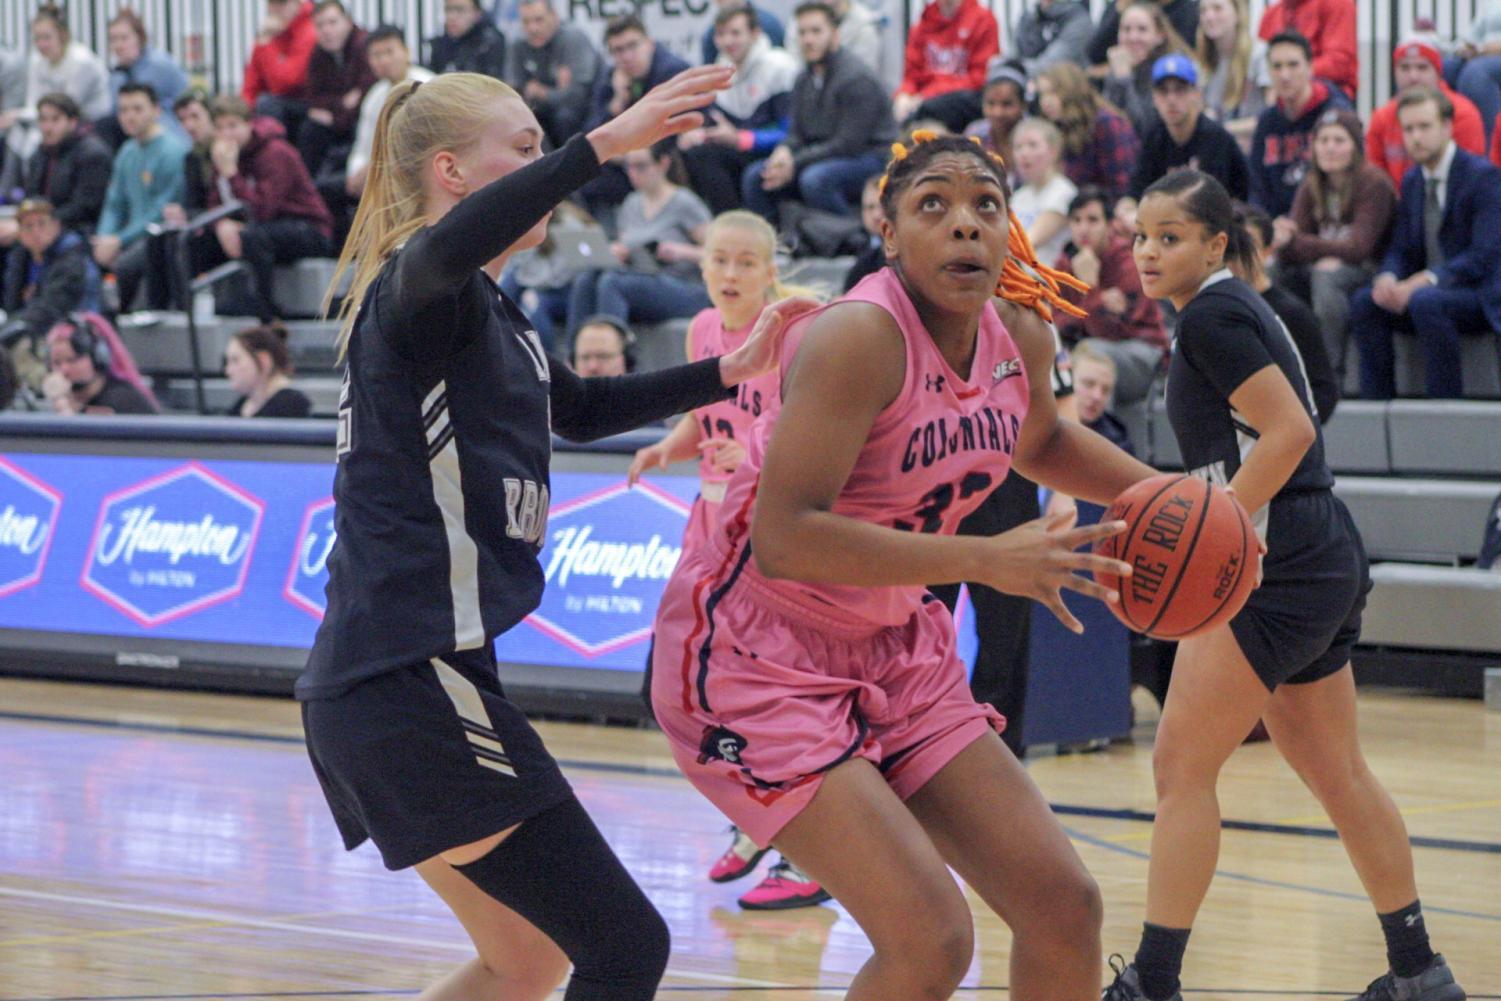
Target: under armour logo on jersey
{"type": "Point", "coordinates": [933, 383]}
{"type": "Point", "coordinates": [1007, 368]}
{"type": "Point", "coordinates": [721, 744]}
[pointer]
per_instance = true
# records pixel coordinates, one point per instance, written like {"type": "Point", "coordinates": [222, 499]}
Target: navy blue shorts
{"type": "Point", "coordinates": [1301, 623]}
{"type": "Point", "coordinates": [429, 757]}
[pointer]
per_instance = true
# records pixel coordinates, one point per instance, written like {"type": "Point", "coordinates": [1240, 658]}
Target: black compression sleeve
{"type": "Point", "coordinates": [586, 409]}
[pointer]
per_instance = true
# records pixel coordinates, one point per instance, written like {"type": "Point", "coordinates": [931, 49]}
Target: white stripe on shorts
{"type": "Point", "coordinates": [467, 702]}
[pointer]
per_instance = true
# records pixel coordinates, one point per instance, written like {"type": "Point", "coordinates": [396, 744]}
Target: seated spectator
{"type": "Point", "coordinates": [391, 62]}
{"type": "Point", "coordinates": [770, 24]}
{"type": "Point", "coordinates": [1094, 388]}
{"type": "Point", "coordinates": [1418, 64]}
{"type": "Point", "coordinates": [1442, 275]}
{"type": "Point", "coordinates": [1041, 203]}
{"type": "Point", "coordinates": [1329, 27]}
{"type": "Point", "coordinates": [1123, 323]}
{"type": "Point", "coordinates": [1099, 145]}
{"type": "Point", "coordinates": [1182, 14]}
{"type": "Point", "coordinates": [1478, 64]}
{"type": "Point", "coordinates": [1004, 104]}
{"type": "Point", "coordinates": [860, 35]}
{"type": "Point", "coordinates": [1340, 224]}
{"type": "Point", "coordinates": [58, 65]}
{"type": "Point", "coordinates": [137, 62]}
{"type": "Point", "coordinates": [70, 169]}
{"type": "Point", "coordinates": [49, 274]}
{"type": "Point", "coordinates": [92, 373]}
{"type": "Point", "coordinates": [947, 52]}
{"type": "Point", "coordinates": [1052, 31]}
{"type": "Point", "coordinates": [539, 279]}
{"type": "Point", "coordinates": [258, 367]}
{"type": "Point", "coordinates": [147, 174]}
{"type": "Point", "coordinates": [276, 76]}
{"type": "Point", "coordinates": [661, 234]}
{"type": "Point", "coordinates": [841, 126]}
{"type": "Point", "coordinates": [470, 43]}
{"type": "Point", "coordinates": [284, 220]}
{"type": "Point", "coordinates": [638, 65]}
{"type": "Point", "coordinates": [873, 257]}
{"type": "Point", "coordinates": [1281, 143]}
{"type": "Point", "coordinates": [748, 120]}
{"type": "Point", "coordinates": [1146, 36]}
{"type": "Point", "coordinates": [1301, 323]}
{"type": "Point", "coordinates": [1236, 77]}
{"type": "Point", "coordinates": [603, 347]}
{"type": "Point", "coordinates": [553, 66]}
{"type": "Point", "coordinates": [1186, 137]}
{"type": "Point", "coordinates": [338, 76]}
{"type": "Point", "coordinates": [163, 271]}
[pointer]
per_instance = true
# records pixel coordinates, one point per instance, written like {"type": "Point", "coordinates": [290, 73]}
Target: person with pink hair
{"type": "Point", "coordinates": [92, 372]}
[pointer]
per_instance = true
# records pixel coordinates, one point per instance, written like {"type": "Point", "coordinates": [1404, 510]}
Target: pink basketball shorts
{"type": "Point", "coordinates": [759, 698]}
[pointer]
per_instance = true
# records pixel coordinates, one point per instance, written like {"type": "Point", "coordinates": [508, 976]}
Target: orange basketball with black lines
{"type": "Point", "coordinates": [1192, 550]}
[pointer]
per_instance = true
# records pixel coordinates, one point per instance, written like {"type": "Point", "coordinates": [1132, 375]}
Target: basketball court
{"type": "Point", "coordinates": [169, 845]}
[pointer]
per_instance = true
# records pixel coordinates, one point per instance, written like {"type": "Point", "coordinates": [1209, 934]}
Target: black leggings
{"type": "Point", "coordinates": [556, 871]}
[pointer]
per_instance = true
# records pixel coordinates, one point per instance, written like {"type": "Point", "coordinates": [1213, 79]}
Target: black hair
{"type": "Point", "coordinates": [324, 5]}
{"type": "Point", "coordinates": [1291, 37]}
{"type": "Point", "coordinates": [816, 7]}
{"type": "Point", "coordinates": [724, 17]}
{"type": "Point", "coordinates": [1088, 195]}
{"type": "Point", "coordinates": [1250, 218]}
{"type": "Point", "coordinates": [193, 95]}
{"type": "Point", "coordinates": [1206, 200]}
{"type": "Point", "coordinates": [136, 87]}
{"type": "Point", "coordinates": [1422, 95]}
{"type": "Point", "coordinates": [384, 33]}
{"type": "Point", "coordinates": [620, 25]}
{"type": "Point", "coordinates": [61, 103]}
{"type": "Point", "coordinates": [900, 173]}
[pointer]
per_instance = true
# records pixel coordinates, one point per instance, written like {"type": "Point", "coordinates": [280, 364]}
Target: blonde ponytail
{"type": "Point", "coordinates": [449, 112]}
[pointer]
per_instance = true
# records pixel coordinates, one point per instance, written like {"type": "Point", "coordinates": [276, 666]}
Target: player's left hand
{"type": "Point", "coordinates": [763, 347]}
{"type": "Point", "coordinates": [724, 454]}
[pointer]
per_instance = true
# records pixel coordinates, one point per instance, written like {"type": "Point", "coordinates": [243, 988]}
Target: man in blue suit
{"type": "Point", "coordinates": [1442, 275]}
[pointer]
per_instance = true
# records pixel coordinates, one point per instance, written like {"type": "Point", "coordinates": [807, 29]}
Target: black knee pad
{"type": "Point", "coordinates": [557, 871]}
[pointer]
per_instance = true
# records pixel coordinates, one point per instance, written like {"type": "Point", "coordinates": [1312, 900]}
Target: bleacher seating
{"type": "Point", "coordinates": [1437, 608]}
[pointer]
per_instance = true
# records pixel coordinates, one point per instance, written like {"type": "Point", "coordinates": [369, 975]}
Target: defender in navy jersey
{"type": "Point", "coordinates": [442, 494]}
{"type": "Point", "coordinates": [1241, 409]}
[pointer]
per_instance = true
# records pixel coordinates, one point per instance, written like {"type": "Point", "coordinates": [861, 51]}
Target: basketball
{"type": "Point", "coordinates": [1192, 548]}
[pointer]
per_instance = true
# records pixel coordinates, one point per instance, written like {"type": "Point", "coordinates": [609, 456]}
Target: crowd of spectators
{"type": "Point", "coordinates": [1385, 228]}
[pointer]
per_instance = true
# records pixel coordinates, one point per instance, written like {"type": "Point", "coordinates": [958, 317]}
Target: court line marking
{"type": "Point", "coordinates": [225, 918]}
{"type": "Point", "coordinates": [1063, 809]}
{"type": "Point", "coordinates": [1242, 877]}
{"type": "Point", "coordinates": [815, 988]}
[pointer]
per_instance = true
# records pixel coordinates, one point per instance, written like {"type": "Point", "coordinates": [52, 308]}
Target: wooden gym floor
{"type": "Point", "coordinates": [160, 845]}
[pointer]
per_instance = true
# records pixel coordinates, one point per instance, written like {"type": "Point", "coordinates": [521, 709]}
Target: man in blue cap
{"type": "Point", "coordinates": [1184, 136]}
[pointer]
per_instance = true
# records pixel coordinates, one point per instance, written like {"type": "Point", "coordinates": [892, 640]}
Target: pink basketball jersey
{"type": "Point", "coordinates": [707, 338]}
{"type": "Point", "coordinates": [929, 460]}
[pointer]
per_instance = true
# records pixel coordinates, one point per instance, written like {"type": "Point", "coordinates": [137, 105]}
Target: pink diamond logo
{"type": "Point", "coordinates": [28, 521]}
{"type": "Point", "coordinates": [308, 574]}
{"type": "Point", "coordinates": [607, 559]}
{"type": "Point", "coordinates": [172, 545]}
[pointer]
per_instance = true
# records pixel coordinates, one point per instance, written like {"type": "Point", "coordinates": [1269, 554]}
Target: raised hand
{"type": "Point", "coordinates": [763, 347]}
{"type": "Point", "coordinates": [666, 110]}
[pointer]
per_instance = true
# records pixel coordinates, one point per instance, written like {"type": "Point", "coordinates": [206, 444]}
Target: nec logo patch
{"type": "Point", "coordinates": [1006, 369]}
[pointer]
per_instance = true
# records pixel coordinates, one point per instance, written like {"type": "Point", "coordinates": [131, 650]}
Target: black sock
{"type": "Point", "coordinates": [1407, 947]}
{"type": "Point", "coordinates": [1159, 959]}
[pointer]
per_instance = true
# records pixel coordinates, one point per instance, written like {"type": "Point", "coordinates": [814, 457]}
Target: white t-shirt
{"type": "Point", "coordinates": [364, 130]}
{"type": "Point", "coordinates": [1028, 203]}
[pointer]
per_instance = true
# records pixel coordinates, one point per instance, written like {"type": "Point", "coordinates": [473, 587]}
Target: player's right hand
{"type": "Point", "coordinates": [1041, 559]}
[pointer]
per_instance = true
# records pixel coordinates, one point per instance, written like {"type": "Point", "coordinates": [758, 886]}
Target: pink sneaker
{"type": "Point", "coordinates": [785, 887]}
{"type": "Point", "coordinates": [740, 858]}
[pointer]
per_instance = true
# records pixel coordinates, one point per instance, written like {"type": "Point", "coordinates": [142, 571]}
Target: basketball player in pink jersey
{"type": "Point", "coordinates": [740, 271]}
{"type": "Point", "coordinates": [808, 683]}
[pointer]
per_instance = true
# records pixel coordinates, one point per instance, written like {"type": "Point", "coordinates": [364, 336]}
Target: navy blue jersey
{"type": "Point", "coordinates": [445, 422]}
{"type": "Point", "coordinates": [1226, 334]}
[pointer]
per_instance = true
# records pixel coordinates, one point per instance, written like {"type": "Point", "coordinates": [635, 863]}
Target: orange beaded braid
{"type": "Point", "coordinates": [1025, 280]}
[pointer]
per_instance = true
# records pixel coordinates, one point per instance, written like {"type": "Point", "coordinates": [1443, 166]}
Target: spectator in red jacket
{"type": "Point", "coordinates": [338, 75]}
{"type": "Point", "coordinates": [1123, 323]}
{"type": "Point", "coordinates": [1329, 25]}
{"type": "Point", "coordinates": [947, 52]}
{"type": "Point", "coordinates": [284, 218]}
{"type": "Point", "coordinates": [1496, 142]}
{"type": "Point", "coordinates": [1418, 64]}
{"type": "Point", "coordinates": [278, 63]}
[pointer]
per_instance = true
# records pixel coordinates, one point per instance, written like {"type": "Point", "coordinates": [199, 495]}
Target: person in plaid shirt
{"type": "Point", "coordinates": [1099, 145]}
